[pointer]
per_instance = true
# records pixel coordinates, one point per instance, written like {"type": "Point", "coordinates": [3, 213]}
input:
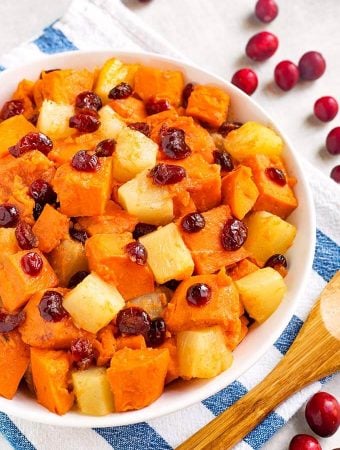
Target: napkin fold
{"type": "Point", "coordinates": [107, 24]}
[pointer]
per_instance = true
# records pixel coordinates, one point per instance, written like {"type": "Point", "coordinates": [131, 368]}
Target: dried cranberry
{"type": "Point", "coordinates": [173, 143]}
{"type": "Point", "coordinates": [32, 264]}
{"type": "Point", "coordinates": [25, 236]}
{"type": "Point", "coordinates": [41, 191]}
{"type": "Point", "coordinates": [141, 229]}
{"type": "Point", "coordinates": [199, 294]}
{"type": "Point", "coordinates": [224, 160]}
{"type": "Point", "coordinates": [157, 333]}
{"type": "Point", "coordinates": [77, 278]}
{"type": "Point", "coordinates": [172, 284]}
{"type": "Point", "coordinates": [82, 353]}
{"type": "Point", "coordinates": [133, 321]}
{"type": "Point", "coordinates": [333, 141]}
{"type": "Point", "coordinates": [186, 94]}
{"type": "Point", "coordinates": [276, 261]}
{"type": "Point", "coordinates": [193, 222]}
{"type": "Point", "coordinates": [326, 108]}
{"type": "Point", "coordinates": [335, 174]}
{"type": "Point", "coordinates": [286, 75]}
{"type": "Point", "coordinates": [12, 108]}
{"type": "Point", "coordinates": [266, 10]}
{"type": "Point", "coordinates": [234, 234]}
{"type": "Point", "coordinates": [85, 162]}
{"type": "Point", "coordinates": [276, 175]}
{"type": "Point", "coordinates": [155, 106]}
{"type": "Point", "coordinates": [227, 127]}
{"type": "Point", "coordinates": [84, 122]}
{"type": "Point", "coordinates": [304, 442]}
{"type": "Point", "coordinates": [246, 80]}
{"type": "Point", "coordinates": [37, 210]}
{"type": "Point", "coordinates": [137, 253]}
{"type": "Point", "coordinates": [9, 215]}
{"type": "Point", "coordinates": [88, 100]}
{"type": "Point", "coordinates": [105, 148]}
{"type": "Point", "coordinates": [163, 174]}
{"type": "Point", "coordinates": [142, 127]}
{"type": "Point", "coordinates": [8, 322]}
{"type": "Point", "coordinates": [312, 66]}
{"type": "Point", "coordinates": [47, 71]}
{"type": "Point", "coordinates": [32, 141]}
{"type": "Point", "coordinates": [122, 90]}
{"type": "Point", "coordinates": [78, 234]}
{"type": "Point", "coordinates": [262, 46]}
{"type": "Point", "coordinates": [51, 307]}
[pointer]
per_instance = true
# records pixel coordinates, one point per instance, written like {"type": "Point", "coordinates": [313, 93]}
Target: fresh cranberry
{"type": "Point", "coordinates": [32, 264]}
{"type": "Point", "coordinates": [8, 322]}
{"type": "Point", "coordinates": [246, 80]}
{"type": "Point", "coordinates": [227, 127]}
{"type": "Point", "coordinates": [9, 215]}
{"type": "Point", "coordinates": [155, 106]}
{"type": "Point", "coordinates": [25, 236]}
{"type": "Point", "coordinates": [157, 333]}
{"type": "Point", "coordinates": [333, 141]}
{"type": "Point", "coordinates": [133, 321]}
{"type": "Point", "coordinates": [41, 191]}
{"type": "Point", "coordinates": [82, 353]}
{"type": "Point", "coordinates": [105, 148]}
{"type": "Point", "coordinates": [312, 66]}
{"type": "Point", "coordinates": [198, 294]}
{"type": "Point", "coordinates": [266, 10]}
{"type": "Point", "coordinates": [12, 108]}
{"type": "Point", "coordinates": [77, 278]}
{"type": "Point", "coordinates": [142, 127]}
{"type": "Point", "coordinates": [173, 143]}
{"type": "Point", "coordinates": [326, 108]}
{"type": "Point", "coordinates": [323, 414]}
{"type": "Point", "coordinates": [186, 94]}
{"type": "Point", "coordinates": [224, 160]}
{"type": "Point", "coordinates": [276, 261]}
{"type": "Point", "coordinates": [335, 174]}
{"type": "Point", "coordinates": [276, 175]}
{"type": "Point", "coordinates": [88, 100]}
{"type": "Point", "coordinates": [163, 174]}
{"type": "Point", "coordinates": [141, 229]}
{"type": "Point", "coordinates": [137, 253]}
{"type": "Point", "coordinates": [234, 234]}
{"type": "Point", "coordinates": [78, 235]}
{"type": "Point", "coordinates": [304, 442]}
{"type": "Point", "coordinates": [286, 75]}
{"type": "Point", "coordinates": [193, 222]}
{"type": "Point", "coordinates": [37, 210]}
{"type": "Point", "coordinates": [84, 122]}
{"type": "Point", "coordinates": [122, 90]}
{"type": "Point", "coordinates": [262, 46]}
{"type": "Point", "coordinates": [32, 141]}
{"type": "Point", "coordinates": [51, 307]}
{"type": "Point", "coordinates": [85, 162]}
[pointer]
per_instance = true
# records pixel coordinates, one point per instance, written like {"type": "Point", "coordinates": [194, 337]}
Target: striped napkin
{"type": "Point", "coordinates": [105, 24]}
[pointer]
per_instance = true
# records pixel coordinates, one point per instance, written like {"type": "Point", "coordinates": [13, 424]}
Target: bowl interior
{"type": "Point", "coordinates": [182, 394]}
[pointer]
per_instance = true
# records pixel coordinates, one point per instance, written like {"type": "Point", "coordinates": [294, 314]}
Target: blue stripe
{"type": "Point", "coordinates": [133, 437]}
{"type": "Point", "coordinates": [289, 334]}
{"type": "Point", "coordinates": [326, 379]}
{"type": "Point", "coordinates": [226, 397]}
{"type": "Point", "coordinates": [2, 68]}
{"type": "Point", "coordinates": [327, 256]}
{"type": "Point", "coordinates": [263, 432]}
{"type": "Point", "coordinates": [13, 435]}
{"type": "Point", "coordinates": [53, 41]}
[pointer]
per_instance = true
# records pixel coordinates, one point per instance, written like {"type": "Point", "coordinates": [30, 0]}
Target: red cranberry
{"type": "Point", "coordinates": [323, 414]}
{"type": "Point", "coordinates": [137, 253]}
{"type": "Point", "coordinates": [85, 162]}
{"type": "Point", "coordinates": [105, 148]}
{"type": "Point", "coordinates": [326, 108]}
{"type": "Point", "coordinates": [41, 191]}
{"type": "Point", "coordinates": [173, 143]}
{"type": "Point", "coordinates": [157, 333]}
{"type": "Point", "coordinates": [122, 90]}
{"type": "Point", "coordinates": [164, 174]}
{"type": "Point", "coordinates": [141, 229]}
{"type": "Point", "coordinates": [276, 261]}
{"type": "Point", "coordinates": [335, 174]}
{"type": "Point", "coordinates": [12, 108]}
{"type": "Point", "coordinates": [32, 264]}
{"type": "Point", "coordinates": [186, 94]}
{"type": "Point", "coordinates": [32, 141]}
{"type": "Point", "coordinates": [266, 10]}
{"type": "Point", "coordinates": [262, 46]}
{"type": "Point", "coordinates": [84, 122]}
{"type": "Point", "coordinates": [286, 75]}
{"type": "Point", "coordinates": [37, 210]}
{"type": "Point", "coordinates": [224, 160]}
{"type": "Point", "coordinates": [133, 321]}
{"type": "Point", "coordinates": [276, 175]}
{"type": "Point", "coordinates": [155, 106]}
{"type": "Point", "coordinates": [82, 353]}
{"type": "Point", "coordinates": [9, 215]}
{"type": "Point", "coordinates": [78, 235]}
{"type": "Point", "coordinates": [234, 234]}
{"type": "Point", "coordinates": [304, 442]}
{"type": "Point", "coordinates": [88, 100]}
{"type": "Point", "coordinates": [8, 322]}
{"type": "Point", "coordinates": [142, 127]}
{"type": "Point", "coordinates": [312, 66]}
{"type": "Point", "coordinates": [198, 294]}
{"type": "Point", "coordinates": [25, 236]}
{"type": "Point", "coordinates": [77, 278]}
{"type": "Point", "coordinates": [51, 307]}
{"type": "Point", "coordinates": [333, 141]}
{"type": "Point", "coordinates": [227, 127]}
{"type": "Point", "coordinates": [246, 80]}
{"type": "Point", "coordinates": [193, 222]}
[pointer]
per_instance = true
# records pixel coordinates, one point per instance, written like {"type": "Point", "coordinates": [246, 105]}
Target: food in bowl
{"type": "Point", "coordinates": [142, 232]}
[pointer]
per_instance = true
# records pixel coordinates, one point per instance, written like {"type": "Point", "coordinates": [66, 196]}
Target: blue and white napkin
{"type": "Point", "coordinates": [105, 24]}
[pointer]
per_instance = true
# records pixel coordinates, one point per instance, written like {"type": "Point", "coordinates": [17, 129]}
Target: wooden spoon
{"type": "Point", "coordinates": [314, 354]}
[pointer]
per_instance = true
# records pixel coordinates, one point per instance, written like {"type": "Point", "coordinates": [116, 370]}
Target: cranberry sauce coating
{"type": "Point", "coordinates": [234, 234]}
{"type": "Point", "coordinates": [198, 294]}
{"type": "Point", "coordinates": [51, 307]}
{"type": "Point", "coordinates": [163, 174]}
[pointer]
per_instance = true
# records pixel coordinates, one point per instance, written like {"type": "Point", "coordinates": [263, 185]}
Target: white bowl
{"type": "Point", "coordinates": [182, 394]}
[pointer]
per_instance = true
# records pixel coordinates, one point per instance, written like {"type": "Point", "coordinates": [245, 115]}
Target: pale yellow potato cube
{"type": "Point", "coordinates": [54, 120]}
{"type": "Point", "coordinates": [110, 123]}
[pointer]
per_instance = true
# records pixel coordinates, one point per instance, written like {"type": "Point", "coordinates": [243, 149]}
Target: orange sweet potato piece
{"type": "Point", "coordinates": [276, 199]}
{"type": "Point", "coordinates": [12, 130]}
{"type": "Point", "coordinates": [183, 204]}
{"type": "Point", "coordinates": [14, 360]}
{"type": "Point", "coordinates": [205, 246]}
{"type": "Point", "coordinates": [105, 344]}
{"type": "Point", "coordinates": [64, 150]}
{"type": "Point", "coordinates": [239, 191]}
{"type": "Point", "coordinates": [51, 228]}
{"type": "Point", "coordinates": [173, 368]}
{"type": "Point", "coordinates": [155, 121]}
{"type": "Point", "coordinates": [133, 342]}
{"type": "Point", "coordinates": [137, 377]}
{"type": "Point", "coordinates": [208, 104]}
{"type": "Point", "coordinates": [107, 257]}
{"type": "Point", "coordinates": [50, 371]}
{"type": "Point", "coordinates": [161, 84]}
{"type": "Point", "coordinates": [131, 109]}
{"type": "Point", "coordinates": [242, 268]}
{"type": "Point", "coordinates": [8, 243]}
{"type": "Point", "coordinates": [222, 309]}
{"type": "Point", "coordinates": [16, 287]}
{"type": "Point", "coordinates": [24, 92]}
{"type": "Point", "coordinates": [234, 337]}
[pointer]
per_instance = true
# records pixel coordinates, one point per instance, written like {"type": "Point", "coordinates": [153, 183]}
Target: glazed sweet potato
{"type": "Point", "coordinates": [242, 268]}
{"type": "Point", "coordinates": [8, 244]}
{"type": "Point", "coordinates": [133, 342]}
{"type": "Point", "coordinates": [51, 228]}
{"type": "Point", "coordinates": [131, 109]}
{"type": "Point", "coordinates": [24, 92]}
{"type": "Point", "coordinates": [173, 367]}
{"type": "Point", "coordinates": [13, 129]}
{"type": "Point", "coordinates": [105, 344]}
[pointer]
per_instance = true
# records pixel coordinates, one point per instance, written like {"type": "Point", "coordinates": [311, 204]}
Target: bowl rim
{"type": "Point", "coordinates": [118, 419]}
